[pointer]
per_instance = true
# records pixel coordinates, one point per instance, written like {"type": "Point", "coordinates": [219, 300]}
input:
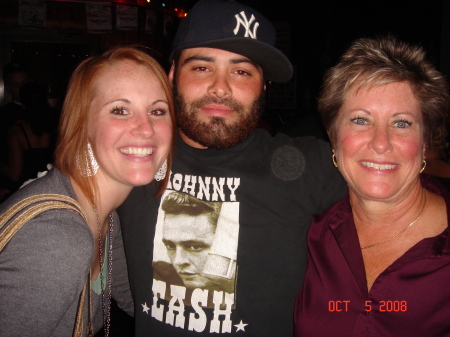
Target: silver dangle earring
{"type": "Point", "coordinates": [161, 174]}
{"type": "Point", "coordinates": [333, 158]}
{"type": "Point", "coordinates": [87, 171]}
{"type": "Point", "coordinates": [93, 161]}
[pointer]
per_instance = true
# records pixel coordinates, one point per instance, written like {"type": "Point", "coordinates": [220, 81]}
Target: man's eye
{"type": "Point", "coordinates": [169, 245]}
{"type": "Point", "coordinates": [242, 72]}
{"type": "Point", "coordinates": [119, 111]}
{"type": "Point", "coordinates": [196, 248]}
{"type": "Point", "coordinates": [201, 68]}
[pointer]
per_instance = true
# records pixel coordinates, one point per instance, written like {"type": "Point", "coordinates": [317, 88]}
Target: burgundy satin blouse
{"type": "Point", "coordinates": [410, 298]}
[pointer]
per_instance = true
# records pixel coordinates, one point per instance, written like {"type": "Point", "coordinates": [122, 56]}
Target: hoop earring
{"type": "Point", "coordinates": [424, 164]}
{"type": "Point", "coordinates": [333, 158]}
{"type": "Point", "coordinates": [161, 174]}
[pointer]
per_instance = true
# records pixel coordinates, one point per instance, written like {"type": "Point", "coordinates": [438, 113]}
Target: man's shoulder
{"type": "Point", "coordinates": [303, 143]}
{"type": "Point", "coordinates": [260, 148]}
{"type": "Point", "coordinates": [165, 271]}
{"type": "Point", "coordinates": [259, 139]}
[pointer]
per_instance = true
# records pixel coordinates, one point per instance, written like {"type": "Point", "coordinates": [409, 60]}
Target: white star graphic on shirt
{"type": "Point", "coordinates": [145, 308]}
{"type": "Point", "coordinates": [240, 326]}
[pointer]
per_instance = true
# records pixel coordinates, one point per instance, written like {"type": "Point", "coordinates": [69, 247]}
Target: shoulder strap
{"type": "Point", "coordinates": [78, 328]}
{"type": "Point", "coordinates": [40, 203]}
{"type": "Point", "coordinates": [36, 205]}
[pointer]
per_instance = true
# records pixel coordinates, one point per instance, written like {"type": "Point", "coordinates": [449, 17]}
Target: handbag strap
{"type": "Point", "coordinates": [36, 205]}
{"type": "Point", "coordinates": [42, 203]}
{"type": "Point", "coordinates": [78, 329]}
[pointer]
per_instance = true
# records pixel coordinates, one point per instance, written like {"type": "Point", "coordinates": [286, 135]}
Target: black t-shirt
{"type": "Point", "coordinates": [268, 189]}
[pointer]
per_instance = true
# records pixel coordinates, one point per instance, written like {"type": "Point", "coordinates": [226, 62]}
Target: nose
{"type": "Point", "coordinates": [380, 142]}
{"type": "Point", "coordinates": [143, 125]}
{"type": "Point", "coordinates": [181, 257]}
{"type": "Point", "coordinates": [220, 86]}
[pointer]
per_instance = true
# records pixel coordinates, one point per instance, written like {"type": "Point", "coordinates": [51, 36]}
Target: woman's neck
{"type": "Point", "coordinates": [377, 216]}
{"type": "Point", "coordinates": [109, 197]}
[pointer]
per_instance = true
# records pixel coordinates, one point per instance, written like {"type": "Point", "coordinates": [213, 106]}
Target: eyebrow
{"type": "Point", "coordinates": [212, 59]}
{"type": "Point", "coordinates": [394, 115]}
{"type": "Point", "coordinates": [117, 100]}
{"type": "Point", "coordinates": [128, 101]}
{"type": "Point", "coordinates": [187, 242]}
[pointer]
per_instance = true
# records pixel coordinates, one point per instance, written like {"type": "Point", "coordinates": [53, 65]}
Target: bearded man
{"type": "Point", "coordinates": [269, 187]}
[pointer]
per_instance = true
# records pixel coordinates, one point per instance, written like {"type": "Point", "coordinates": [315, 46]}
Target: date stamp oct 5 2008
{"type": "Point", "coordinates": [384, 306]}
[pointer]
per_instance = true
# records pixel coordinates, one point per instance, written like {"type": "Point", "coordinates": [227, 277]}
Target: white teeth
{"type": "Point", "coordinates": [137, 151]}
{"type": "Point", "coordinates": [378, 166]}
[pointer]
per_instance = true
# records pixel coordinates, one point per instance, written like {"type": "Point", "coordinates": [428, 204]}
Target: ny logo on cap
{"type": "Point", "coordinates": [246, 24]}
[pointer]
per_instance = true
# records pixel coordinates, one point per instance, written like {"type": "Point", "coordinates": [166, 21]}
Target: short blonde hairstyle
{"type": "Point", "coordinates": [71, 156]}
{"type": "Point", "coordinates": [383, 60]}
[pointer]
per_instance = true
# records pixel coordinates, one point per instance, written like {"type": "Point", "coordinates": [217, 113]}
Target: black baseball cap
{"type": "Point", "coordinates": [234, 27]}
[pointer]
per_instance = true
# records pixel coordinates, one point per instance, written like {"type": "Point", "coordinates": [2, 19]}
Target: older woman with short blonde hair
{"type": "Point", "coordinates": [379, 260]}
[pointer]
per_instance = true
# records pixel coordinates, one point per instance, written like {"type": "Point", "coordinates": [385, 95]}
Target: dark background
{"type": "Point", "coordinates": [327, 26]}
{"type": "Point", "coordinates": [312, 34]}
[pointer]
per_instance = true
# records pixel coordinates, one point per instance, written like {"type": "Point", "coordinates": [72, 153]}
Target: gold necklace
{"type": "Point", "coordinates": [404, 229]}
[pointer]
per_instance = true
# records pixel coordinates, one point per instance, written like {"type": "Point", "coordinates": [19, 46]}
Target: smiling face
{"type": "Point", "coordinates": [379, 143]}
{"type": "Point", "coordinates": [129, 124]}
{"type": "Point", "coordinates": [188, 240]}
{"type": "Point", "coordinates": [218, 97]}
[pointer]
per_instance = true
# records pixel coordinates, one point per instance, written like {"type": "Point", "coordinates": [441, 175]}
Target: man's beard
{"type": "Point", "coordinates": [217, 133]}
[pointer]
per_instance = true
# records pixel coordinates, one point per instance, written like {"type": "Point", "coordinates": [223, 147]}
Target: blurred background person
{"type": "Point", "coordinates": [15, 74]}
{"type": "Point", "coordinates": [385, 247]}
{"type": "Point", "coordinates": [31, 141]}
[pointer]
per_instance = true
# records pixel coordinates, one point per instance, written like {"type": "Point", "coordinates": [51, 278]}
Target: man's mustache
{"type": "Point", "coordinates": [228, 102]}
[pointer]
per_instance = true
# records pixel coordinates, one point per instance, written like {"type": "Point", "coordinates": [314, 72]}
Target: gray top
{"type": "Point", "coordinates": [44, 266]}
